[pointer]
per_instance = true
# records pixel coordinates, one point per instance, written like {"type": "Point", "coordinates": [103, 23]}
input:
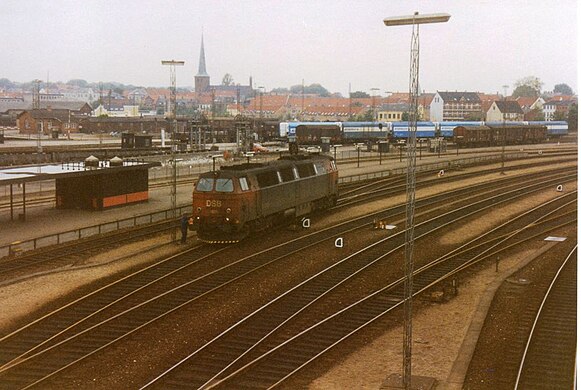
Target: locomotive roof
{"type": "Point", "coordinates": [284, 161]}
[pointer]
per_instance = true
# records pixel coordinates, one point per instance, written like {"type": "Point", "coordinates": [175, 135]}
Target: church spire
{"type": "Point", "coordinates": [202, 65]}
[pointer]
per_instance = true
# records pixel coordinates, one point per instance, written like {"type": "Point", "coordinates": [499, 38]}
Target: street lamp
{"type": "Point", "coordinates": [36, 106]}
{"type": "Point", "coordinates": [260, 121]}
{"type": "Point", "coordinates": [173, 118]}
{"type": "Point", "coordinates": [373, 96]}
{"type": "Point", "coordinates": [505, 87]}
{"type": "Point", "coordinates": [414, 20]}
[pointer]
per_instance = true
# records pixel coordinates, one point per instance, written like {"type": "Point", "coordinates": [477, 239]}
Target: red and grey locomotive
{"type": "Point", "coordinates": [236, 200]}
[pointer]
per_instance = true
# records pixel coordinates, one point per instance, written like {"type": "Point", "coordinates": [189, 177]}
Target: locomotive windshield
{"type": "Point", "coordinates": [206, 184]}
{"type": "Point", "coordinates": [224, 185]}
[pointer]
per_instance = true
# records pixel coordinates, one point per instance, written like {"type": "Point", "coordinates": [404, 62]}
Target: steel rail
{"type": "Point", "coordinates": [391, 180]}
{"type": "Point", "coordinates": [542, 308]}
{"type": "Point", "coordinates": [96, 349]}
{"type": "Point", "coordinates": [118, 282]}
{"type": "Point", "coordinates": [217, 383]}
{"type": "Point", "coordinates": [393, 185]}
{"type": "Point", "coordinates": [365, 220]}
{"type": "Point", "coordinates": [327, 269]}
{"type": "Point", "coordinates": [214, 381]}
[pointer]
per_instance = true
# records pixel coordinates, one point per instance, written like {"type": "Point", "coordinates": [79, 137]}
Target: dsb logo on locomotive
{"type": "Point", "coordinates": [213, 203]}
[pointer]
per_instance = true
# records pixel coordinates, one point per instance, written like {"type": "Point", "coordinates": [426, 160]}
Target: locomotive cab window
{"type": "Point", "coordinates": [306, 170]}
{"type": "Point", "coordinates": [267, 179]}
{"type": "Point", "coordinates": [243, 184]}
{"type": "Point", "coordinates": [205, 184]}
{"type": "Point", "coordinates": [224, 185]}
{"type": "Point", "coordinates": [320, 168]}
{"type": "Point", "coordinates": [287, 174]}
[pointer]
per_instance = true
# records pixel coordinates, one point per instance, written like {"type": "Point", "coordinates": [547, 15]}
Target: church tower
{"type": "Point", "coordinates": [202, 79]}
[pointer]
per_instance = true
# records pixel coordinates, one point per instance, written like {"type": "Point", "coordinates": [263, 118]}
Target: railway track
{"type": "Point", "coordinates": [21, 365]}
{"type": "Point", "coordinates": [392, 157]}
{"type": "Point", "coordinates": [387, 186]}
{"type": "Point", "coordinates": [278, 342]}
{"type": "Point", "coordinates": [73, 252]}
{"type": "Point", "coordinates": [47, 198]}
{"type": "Point", "coordinates": [549, 357]}
{"type": "Point", "coordinates": [508, 340]}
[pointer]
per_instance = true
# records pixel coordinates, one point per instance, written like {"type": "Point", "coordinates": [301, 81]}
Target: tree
{"type": "Point", "coordinates": [5, 83]}
{"type": "Point", "coordinates": [527, 86]}
{"type": "Point", "coordinates": [227, 79]}
{"type": "Point", "coordinates": [572, 118]}
{"type": "Point", "coordinates": [78, 83]}
{"type": "Point", "coordinates": [559, 116]}
{"type": "Point", "coordinates": [313, 89]}
{"type": "Point", "coordinates": [365, 117]}
{"type": "Point", "coordinates": [563, 89]}
{"type": "Point", "coordinates": [280, 91]}
{"type": "Point", "coordinates": [359, 94]}
{"type": "Point", "coordinates": [536, 114]}
{"type": "Point", "coordinates": [524, 90]}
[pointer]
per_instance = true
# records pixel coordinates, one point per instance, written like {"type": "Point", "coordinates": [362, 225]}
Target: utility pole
{"type": "Point", "coordinates": [302, 98]}
{"type": "Point", "coordinates": [260, 114]}
{"type": "Point", "coordinates": [36, 106]}
{"type": "Point", "coordinates": [173, 118]}
{"type": "Point", "coordinates": [350, 101]}
{"type": "Point", "coordinates": [505, 87]}
{"type": "Point", "coordinates": [36, 95]}
{"type": "Point", "coordinates": [373, 96]}
{"type": "Point", "coordinates": [414, 20]}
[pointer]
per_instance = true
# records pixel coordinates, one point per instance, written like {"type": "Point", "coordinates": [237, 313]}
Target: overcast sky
{"type": "Point", "coordinates": [485, 45]}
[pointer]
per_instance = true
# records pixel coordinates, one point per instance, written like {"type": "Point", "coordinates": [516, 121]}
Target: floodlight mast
{"type": "Point", "coordinates": [173, 120]}
{"type": "Point", "coordinates": [414, 20]}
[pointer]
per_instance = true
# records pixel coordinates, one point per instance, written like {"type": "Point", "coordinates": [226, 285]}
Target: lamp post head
{"type": "Point", "coordinates": [416, 19]}
{"type": "Point", "coordinates": [173, 62]}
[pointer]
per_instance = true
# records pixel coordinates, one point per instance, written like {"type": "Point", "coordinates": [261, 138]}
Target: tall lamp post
{"type": "Point", "coordinates": [373, 102]}
{"type": "Point", "coordinates": [414, 20]}
{"type": "Point", "coordinates": [260, 121]}
{"type": "Point", "coordinates": [36, 106]}
{"type": "Point", "coordinates": [173, 117]}
{"type": "Point", "coordinates": [505, 87]}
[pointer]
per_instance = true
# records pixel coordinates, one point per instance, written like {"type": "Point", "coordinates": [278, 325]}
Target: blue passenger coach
{"type": "Point", "coordinates": [554, 128]}
{"type": "Point", "coordinates": [400, 130]}
{"type": "Point", "coordinates": [365, 130]}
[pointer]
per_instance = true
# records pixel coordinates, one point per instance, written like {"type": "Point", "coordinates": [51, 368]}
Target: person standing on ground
{"type": "Point", "coordinates": [184, 227]}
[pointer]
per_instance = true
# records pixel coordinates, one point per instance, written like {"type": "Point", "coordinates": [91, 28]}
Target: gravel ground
{"type": "Point", "coordinates": [437, 335]}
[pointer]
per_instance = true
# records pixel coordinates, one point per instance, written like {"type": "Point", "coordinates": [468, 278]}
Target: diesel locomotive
{"type": "Point", "coordinates": [230, 203]}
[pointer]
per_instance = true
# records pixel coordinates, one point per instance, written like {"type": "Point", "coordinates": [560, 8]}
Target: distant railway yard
{"type": "Point", "coordinates": [313, 301]}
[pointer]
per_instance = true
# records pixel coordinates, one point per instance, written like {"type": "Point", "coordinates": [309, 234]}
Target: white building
{"type": "Point", "coordinates": [455, 106]}
{"type": "Point", "coordinates": [505, 110]}
{"type": "Point", "coordinates": [117, 111]}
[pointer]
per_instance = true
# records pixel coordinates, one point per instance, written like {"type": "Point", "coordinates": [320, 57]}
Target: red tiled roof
{"type": "Point", "coordinates": [526, 101]}
{"type": "Point", "coordinates": [562, 98]}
